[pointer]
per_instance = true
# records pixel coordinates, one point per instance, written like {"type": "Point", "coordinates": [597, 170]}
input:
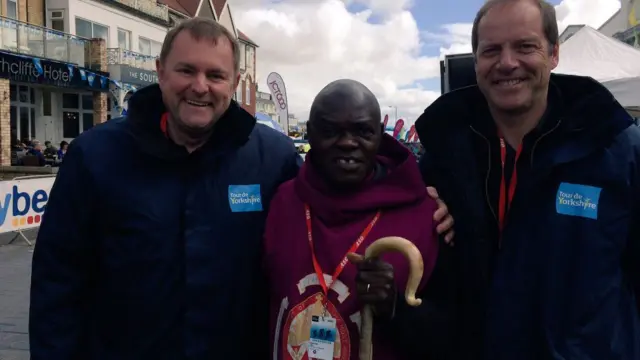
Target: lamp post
{"type": "Point", "coordinates": [396, 108]}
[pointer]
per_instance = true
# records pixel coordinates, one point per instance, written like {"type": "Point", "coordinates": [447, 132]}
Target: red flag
{"type": "Point", "coordinates": [412, 133]}
{"type": "Point", "coordinates": [398, 128]}
{"type": "Point", "coordinates": [386, 119]}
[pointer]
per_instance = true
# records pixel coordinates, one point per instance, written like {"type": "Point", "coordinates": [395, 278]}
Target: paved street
{"type": "Point", "coordinates": [15, 272]}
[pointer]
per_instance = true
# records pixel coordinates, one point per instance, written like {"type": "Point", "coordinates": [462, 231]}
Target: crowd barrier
{"type": "Point", "coordinates": [22, 204]}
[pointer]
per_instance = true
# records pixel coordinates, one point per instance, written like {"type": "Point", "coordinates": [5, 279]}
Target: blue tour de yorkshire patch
{"type": "Point", "coordinates": [578, 200]}
{"type": "Point", "coordinates": [245, 198]}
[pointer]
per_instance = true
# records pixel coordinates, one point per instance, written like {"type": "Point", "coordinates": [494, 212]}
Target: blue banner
{"type": "Point", "coordinates": [35, 70]}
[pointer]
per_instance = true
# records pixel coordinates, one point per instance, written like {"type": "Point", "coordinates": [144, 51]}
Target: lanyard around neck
{"type": "Point", "coordinates": [505, 199]}
{"type": "Point", "coordinates": [344, 261]}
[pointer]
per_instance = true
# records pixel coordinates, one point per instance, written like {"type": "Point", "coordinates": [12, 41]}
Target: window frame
{"type": "Point", "coordinates": [151, 46]}
{"type": "Point", "coordinates": [243, 59]}
{"type": "Point", "coordinates": [18, 104]}
{"type": "Point", "coordinates": [127, 40]}
{"type": "Point", "coordinates": [248, 55]}
{"type": "Point", "coordinates": [239, 92]}
{"type": "Point", "coordinates": [51, 18]}
{"type": "Point", "coordinates": [79, 109]}
{"type": "Point", "coordinates": [247, 92]}
{"type": "Point", "coordinates": [93, 23]}
{"type": "Point", "coordinates": [15, 2]}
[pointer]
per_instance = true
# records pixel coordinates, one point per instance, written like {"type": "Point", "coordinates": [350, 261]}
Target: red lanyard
{"type": "Point", "coordinates": [504, 200]}
{"type": "Point", "coordinates": [343, 263]}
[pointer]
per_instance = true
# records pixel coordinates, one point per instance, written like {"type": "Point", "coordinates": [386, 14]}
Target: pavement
{"type": "Point", "coordinates": [15, 276]}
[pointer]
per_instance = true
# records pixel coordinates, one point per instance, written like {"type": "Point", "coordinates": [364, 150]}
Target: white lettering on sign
{"type": "Point", "coordinates": [27, 68]}
{"type": "Point", "coordinates": [144, 76]}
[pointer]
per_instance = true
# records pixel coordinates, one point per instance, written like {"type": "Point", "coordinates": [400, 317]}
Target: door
{"type": "Point", "coordinates": [22, 112]}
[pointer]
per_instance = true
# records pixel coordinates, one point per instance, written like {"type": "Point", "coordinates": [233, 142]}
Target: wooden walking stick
{"type": "Point", "coordinates": [416, 269]}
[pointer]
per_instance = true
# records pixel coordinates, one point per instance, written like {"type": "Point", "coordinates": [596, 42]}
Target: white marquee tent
{"type": "Point", "coordinates": [611, 62]}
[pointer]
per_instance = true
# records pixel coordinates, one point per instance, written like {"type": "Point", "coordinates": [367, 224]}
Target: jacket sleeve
{"type": "Point", "coordinates": [631, 256]}
{"type": "Point", "coordinates": [427, 331]}
{"type": "Point", "coordinates": [260, 349]}
{"type": "Point", "coordinates": [293, 163]}
{"type": "Point", "coordinates": [62, 266]}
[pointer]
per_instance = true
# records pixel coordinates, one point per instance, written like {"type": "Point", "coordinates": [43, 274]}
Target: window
{"type": "Point", "coordinates": [12, 9]}
{"type": "Point", "coordinates": [239, 93]}
{"type": "Point", "coordinates": [149, 47]}
{"type": "Point", "coordinates": [247, 95]}
{"type": "Point", "coordinates": [124, 39]}
{"type": "Point", "coordinates": [249, 56]}
{"type": "Point", "coordinates": [56, 19]}
{"type": "Point", "coordinates": [77, 114]}
{"type": "Point", "coordinates": [242, 58]}
{"type": "Point", "coordinates": [22, 112]}
{"type": "Point", "coordinates": [90, 30]}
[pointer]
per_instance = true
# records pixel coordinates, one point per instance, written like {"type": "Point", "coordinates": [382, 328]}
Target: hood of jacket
{"type": "Point", "coordinates": [400, 184]}
{"type": "Point", "coordinates": [588, 116]}
{"type": "Point", "coordinates": [145, 110]}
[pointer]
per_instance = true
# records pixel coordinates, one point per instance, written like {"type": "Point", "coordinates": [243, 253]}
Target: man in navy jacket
{"type": "Point", "coordinates": [542, 173]}
{"type": "Point", "coordinates": [150, 245]}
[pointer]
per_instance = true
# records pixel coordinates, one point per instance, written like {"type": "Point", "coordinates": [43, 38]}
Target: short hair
{"type": "Point", "coordinates": [549, 22]}
{"type": "Point", "coordinates": [202, 28]}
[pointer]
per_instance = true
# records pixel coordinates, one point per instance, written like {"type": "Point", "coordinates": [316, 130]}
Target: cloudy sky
{"type": "Point", "coordinates": [392, 46]}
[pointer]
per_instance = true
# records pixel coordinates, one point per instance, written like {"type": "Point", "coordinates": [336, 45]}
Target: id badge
{"type": "Point", "coordinates": [322, 338]}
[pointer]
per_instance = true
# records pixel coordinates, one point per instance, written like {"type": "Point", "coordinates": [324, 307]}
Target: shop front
{"type": "Point", "coordinates": [125, 80]}
{"type": "Point", "coordinates": [49, 100]}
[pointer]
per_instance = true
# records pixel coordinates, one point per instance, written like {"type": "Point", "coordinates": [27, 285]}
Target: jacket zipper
{"type": "Point", "coordinates": [486, 181]}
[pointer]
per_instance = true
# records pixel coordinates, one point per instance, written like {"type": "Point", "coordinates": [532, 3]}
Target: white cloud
{"type": "Point", "coordinates": [313, 42]}
{"type": "Point", "coordinates": [588, 12]}
{"type": "Point", "coordinates": [384, 6]}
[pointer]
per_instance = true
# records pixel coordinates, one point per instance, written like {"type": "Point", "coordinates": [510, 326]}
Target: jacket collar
{"type": "Point", "coordinates": [146, 108]}
{"type": "Point", "coordinates": [586, 118]}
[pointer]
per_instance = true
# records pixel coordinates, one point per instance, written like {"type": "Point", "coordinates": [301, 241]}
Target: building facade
{"type": "Point", "coordinates": [569, 32]}
{"type": "Point", "coordinates": [133, 31]}
{"type": "Point", "coordinates": [53, 85]}
{"type": "Point", "coordinates": [624, 25]}
{"type": "Point", "coordinates": [266, 105]}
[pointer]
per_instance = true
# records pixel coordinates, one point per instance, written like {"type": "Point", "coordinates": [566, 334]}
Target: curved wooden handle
{"type": "Point", "coordinates": [416, 270]}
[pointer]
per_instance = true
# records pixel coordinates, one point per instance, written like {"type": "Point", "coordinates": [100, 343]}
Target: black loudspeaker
{"type": "Point", "coordinates": [457, 71]}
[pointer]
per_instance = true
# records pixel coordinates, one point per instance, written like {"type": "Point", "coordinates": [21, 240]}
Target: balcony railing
{"type": "Point", "coordinates": [19, 37]}
{"type": "Point", "coordinates": [117, 56]}
{"type": "Point", "coordinates": [628, 35]}
{"type": "Point", "coordinates": [149, 7]}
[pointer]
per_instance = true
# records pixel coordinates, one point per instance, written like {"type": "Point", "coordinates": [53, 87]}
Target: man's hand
{"type": "Point", "coordinates": [375, 284]}
{"type": "Point", "coordinates": [442, 217]}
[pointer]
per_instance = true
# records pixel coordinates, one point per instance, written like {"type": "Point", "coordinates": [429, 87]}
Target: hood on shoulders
{"type": "Point", "coordinates": [146, 108]}
{"type": "Point", "coordinates": [400, 185]}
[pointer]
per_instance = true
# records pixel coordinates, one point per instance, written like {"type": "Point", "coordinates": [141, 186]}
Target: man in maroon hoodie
{"type": "Point", "coordinates": [356, 183]}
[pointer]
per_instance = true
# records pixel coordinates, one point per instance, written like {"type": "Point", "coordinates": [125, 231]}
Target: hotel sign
{"type": "Point", "coordinates": [29, 69]}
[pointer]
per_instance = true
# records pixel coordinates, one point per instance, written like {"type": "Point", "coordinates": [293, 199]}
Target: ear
{"type": "Point", "coordinates": [554, 56]}
{"type": "Point", "coordinates": [160, 70]}
{"type": "Point", "coordinates": [237, 82]}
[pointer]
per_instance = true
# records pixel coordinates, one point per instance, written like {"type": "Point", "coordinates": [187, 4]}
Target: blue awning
{"type": "Point", "coordinates": [266, 120]}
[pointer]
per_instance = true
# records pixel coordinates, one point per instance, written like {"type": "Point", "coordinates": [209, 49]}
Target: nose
{"type": "Point", "coordinates": [347, 141]}
{"type": "Point", "coordinates": [199, 84]}
{"type": "Point", "coordinates": [508, 60]}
